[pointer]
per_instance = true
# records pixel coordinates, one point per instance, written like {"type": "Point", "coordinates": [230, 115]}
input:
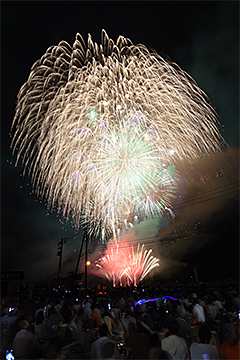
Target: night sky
{"type": "Point", "coordinates": [203, 39]}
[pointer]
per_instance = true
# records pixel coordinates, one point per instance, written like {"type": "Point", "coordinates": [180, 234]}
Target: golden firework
{"type": "Point", "coordinates": [99, 127]}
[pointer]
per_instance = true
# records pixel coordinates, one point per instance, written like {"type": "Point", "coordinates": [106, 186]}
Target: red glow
{"type": "Point", "coordinates": [123, 263]}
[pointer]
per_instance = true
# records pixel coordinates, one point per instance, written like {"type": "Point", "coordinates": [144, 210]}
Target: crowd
{"type": "Point", "coordinates": [112, 323]}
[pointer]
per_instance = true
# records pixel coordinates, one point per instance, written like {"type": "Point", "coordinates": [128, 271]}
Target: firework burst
{"type": "Point", "coordinates": [122, 260]}
{"type": "Point", "coordinates": [114, 262]}
{"type": "Point", "coordinates": [100, 128]}
{"type": "Point", "coordinates": [140, 264]}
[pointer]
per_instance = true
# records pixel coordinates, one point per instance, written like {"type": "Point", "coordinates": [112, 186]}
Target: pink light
{"type": "Point", "coordinates": [123, 261]}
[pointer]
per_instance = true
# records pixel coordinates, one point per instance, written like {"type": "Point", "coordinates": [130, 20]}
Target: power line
{"type": "Point", "coordinates": [226, 190]}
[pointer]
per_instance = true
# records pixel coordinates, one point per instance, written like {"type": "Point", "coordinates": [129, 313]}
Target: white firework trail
{"type": "Point", "coordinates": [100, 128]}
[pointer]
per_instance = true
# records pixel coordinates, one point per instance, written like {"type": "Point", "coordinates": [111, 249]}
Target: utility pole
{"type": "Point", "coordinates": [80, 253]}
{"type": "Point", "coordinates": [59, 253]}
{"type": "Point", "coordinates": [86, 253]}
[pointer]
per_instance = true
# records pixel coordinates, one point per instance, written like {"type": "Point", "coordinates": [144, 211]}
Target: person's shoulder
{"type": "Point", "coordinates": [31, 334]}
{"type": "Point", "coordinates": [180, 339]}
{"type": "Point", "coordinates": [194, 345]}
{"type": "Point", "coordinates": [166, 339]}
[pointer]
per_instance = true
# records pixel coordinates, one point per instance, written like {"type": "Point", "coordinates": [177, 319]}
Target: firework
{"type": "Point", "coordinates": [122, 260]}
{"type": "Point", "coordinates": [113, 263]}
{"type": "Point", "coordinates": [141, 263]}
{"type": "Point", "coordinates": [100, 128]}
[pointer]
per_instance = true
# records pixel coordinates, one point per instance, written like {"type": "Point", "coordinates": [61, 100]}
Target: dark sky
{"type": "Point", "coordinates": [203, 39]}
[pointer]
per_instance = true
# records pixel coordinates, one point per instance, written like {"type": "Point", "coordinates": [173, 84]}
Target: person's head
{"type": "Point", "coordinates": [195, 301]}
{"type": "Point", "coordinates": [209, 300]}
{"type": "Point", "coordinates": [24, 324]}
{"type": "Point", "coordinates": [54, 346]}
{"type": "Point", "coordinates": [173, 326]}
{"type": "Point", "coordinates": [103, 331]}
{"type": "Point", "coordinates": [87, 298]}
{"type": "Point", "coordinates": [51, 311]}
{"type": "Point", "coordinates": [115, 304]}
{"type": "Point", "coordinates": [225, 318]}
{"type": "Point", "coordinates": [155, 341]}
{"type": "Point", "coordinates": [39, 318]}
{"type": "Point", "coordinates": [74, 312]}
{"type": "Point", "coordinates": [181, 312]}
{"type": "Point", "coordinates": [204, 334]}
{"type": "Point", "coordinates": [147, 319]}
{"type": "Point", "coordinates": [80, 312]}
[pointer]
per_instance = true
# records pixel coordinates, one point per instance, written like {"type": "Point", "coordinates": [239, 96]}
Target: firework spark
{"type": "Point", "coordinates": [100, 128]}
{"type": "Point", "coordinates": [141, 263]}
{"type": "Point", "coordinates": [114, 262]}
{"type": "Point", "coordinates": [122, 260]}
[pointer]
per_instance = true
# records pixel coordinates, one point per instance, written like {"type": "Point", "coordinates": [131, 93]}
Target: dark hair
{"type": "Point", "coordinates": [103, 331]}
{"type": "Point", "coordinates": [39, 318]}
{"type": "Point", "coordinates": [147, 318]}
{"type": "Point", "coordinates": [106, 307]}
{"type": "Point", "coordinates": [225, 318]}
{"type": "Point", "coordinates": [80, 311]}
{"type": "Point", "coordinates": [51, 311]}
{"type": "Point", "coordinates": [56, 343]}
{"type": "Point", "coordinates": [195, 301]}
{"type": "Point", "coordinates": [204, 334]}
{"type": "Point", "coordinates": [154, 340]}
{"type": "Point", "coordinates": [173, 326]}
